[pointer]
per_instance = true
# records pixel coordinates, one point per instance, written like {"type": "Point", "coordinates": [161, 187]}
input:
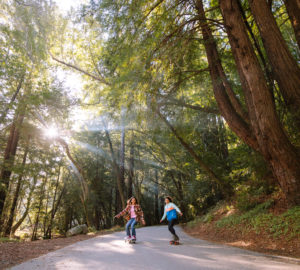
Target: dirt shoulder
{"type": "Point", "coordinates": [14, 253]}
{"type": "Point", "coordinates": [270, 238]}
{"type": "Point", "coordinates": [261, 243]}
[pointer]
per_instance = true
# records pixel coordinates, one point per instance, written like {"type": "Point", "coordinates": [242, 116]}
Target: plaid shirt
{"type": "Point", "coordinates": [138, 211]}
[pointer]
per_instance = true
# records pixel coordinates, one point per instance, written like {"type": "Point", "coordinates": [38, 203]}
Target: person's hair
{"type": "Point", "coordinates": [130, 199]}
{"type": "Point", "coordinates": [169, 198]}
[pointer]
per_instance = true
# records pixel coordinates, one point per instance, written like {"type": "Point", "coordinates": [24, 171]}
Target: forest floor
{"type": "Point", "coordinates": [13, 253]}
{"type": "Point", "coordinates": [274, 230]}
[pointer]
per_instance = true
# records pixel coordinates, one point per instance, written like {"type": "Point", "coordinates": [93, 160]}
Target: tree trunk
{"type": "Point", "coordinates": [156, 198]}
{"type": "Point", "coordinates": [116, 169]}
{"type": "Point", "coordinates": [54, 208]}
{"type": "Point", "coordinates": [9, 157]}
{"type": "Point", "coordinates": [110, 209]}
{"type": "Point", "coordinates": [225, 187]}
{"type": "Point", "coordinates": [222, 141]}
{"type": "Point", "coordinates": [178, 186]}
{"type": "Point", "coordinates": [46, 214]}
{"type": "Point", "coordinates": [37, 218]}
{"type": "Point", "coordinates": [266, 66]}
{"type": "Point", "coordinates": [13, 98]}
{"type": "Point", "coordinates": [131, 171]}
{"type": "Point", "coordinates": [20, 221]}
{"type": "Point", "coordinates": [8, 225]}
{"type": "Point", "coordinates": [284, 66]}
{"type": "Point", "coordinates": [84, 197]}
{"type": "Point", "coordinates": [68, 216]}
{"type": "Point", "coordinates": [234, 115]}
{"type": "Point", "coordinates": [276, 148]}
{"type": "Point", "coordinates": [121, 181]}
{"type": "Point", "coordinates": [293, 10]}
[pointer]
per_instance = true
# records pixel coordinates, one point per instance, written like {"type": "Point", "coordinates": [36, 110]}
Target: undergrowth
{"type": "Point", "coordinates": [7, 239]}
{"type": "Point", "coordinates": [258, 219]}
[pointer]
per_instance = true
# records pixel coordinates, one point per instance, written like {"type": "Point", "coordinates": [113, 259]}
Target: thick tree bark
{"type": "Point", "coordinates": [5, 172]}
{"type": "Point", "coordinates": [285, 68]}
{"type": "Point", "coordinates": [9, 157]}
{"type": "Point", "coordinates": [293, 10]}
{"type": "Point", "coordinates": [8, 225]}
{"type": "Point", "coordinates": [266, 67]}
{"type": "Point", "coordinates": [276, 148]}
{"type": "Point", "coordinates": [234, 115]}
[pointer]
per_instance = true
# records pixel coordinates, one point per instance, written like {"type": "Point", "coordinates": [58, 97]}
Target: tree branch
{"type": "Point", "coordinates": [100, 79]}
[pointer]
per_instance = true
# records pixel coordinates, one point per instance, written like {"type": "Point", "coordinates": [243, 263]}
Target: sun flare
{"type": "Point", "coordinates": [51, 132]}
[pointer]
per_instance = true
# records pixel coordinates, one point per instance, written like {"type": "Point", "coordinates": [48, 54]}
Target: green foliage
{"type": "Point", "coordinates": [146, 59]}
{"type": "Point", "coordinates": [8, 240]}
{"type": "Point", "coordinates": [208, 218]}
{"type": "Point", "coordinates": [287, 223]}
{"type": "Point", "coordinates": [244, 218]}
{"type": "Point", "coordinates": [247, 197]}
{"type": "Point", "coordinates": [195, 222]}
{"type": "Point", "coordinates": [259, 219]}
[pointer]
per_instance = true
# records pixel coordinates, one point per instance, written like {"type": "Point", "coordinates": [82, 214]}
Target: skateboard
{"type": "Point", "coordinates": [174, 242]}
{"type": "Point", "coordinates": [130, 241]}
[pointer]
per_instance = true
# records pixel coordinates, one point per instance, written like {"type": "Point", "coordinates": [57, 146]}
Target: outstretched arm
{"type": "Point", "coordinates": [122, 213]}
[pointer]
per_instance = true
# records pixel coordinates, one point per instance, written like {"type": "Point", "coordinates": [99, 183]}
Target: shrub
{"type": "Point", "coordinates": [246, 217]}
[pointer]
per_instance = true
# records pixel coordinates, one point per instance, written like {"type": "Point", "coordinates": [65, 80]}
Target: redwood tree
{"type": "Point", "coordinates": [283, 64]}
{"type": "Point", "coordinates": [275, 146]}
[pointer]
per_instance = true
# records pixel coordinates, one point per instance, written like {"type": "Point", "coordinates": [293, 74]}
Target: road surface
{"type": "Point", "coordinates": [153, 252]}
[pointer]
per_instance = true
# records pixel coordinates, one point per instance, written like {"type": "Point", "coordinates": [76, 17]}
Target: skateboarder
{"type": "Point", "coordinates": [170, 212]}
{"type": "Point", "coordinates": [132, 213]}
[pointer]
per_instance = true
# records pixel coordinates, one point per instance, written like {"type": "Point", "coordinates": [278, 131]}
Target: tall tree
{"type": "Point", "coordinates": [273, 142]}
{"type": "Point", "coordinates": [293, 9]}
{"type": "Point", "coordinates": [284, 66]}
{"type": "Point", "coordinates": [9, 156]}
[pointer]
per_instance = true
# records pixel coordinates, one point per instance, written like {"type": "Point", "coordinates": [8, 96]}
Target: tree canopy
{"type": "Point", "coordinates": [189, 98]}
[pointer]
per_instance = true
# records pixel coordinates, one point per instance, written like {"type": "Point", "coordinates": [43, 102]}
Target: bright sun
{"type": "Point", "coordinates": [51, 132]}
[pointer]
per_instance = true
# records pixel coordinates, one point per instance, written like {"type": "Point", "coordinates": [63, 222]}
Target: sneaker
{"type": "Point", "coordinates": [127, 238]}
{"type": "Point", "coordinates": [176, 238]}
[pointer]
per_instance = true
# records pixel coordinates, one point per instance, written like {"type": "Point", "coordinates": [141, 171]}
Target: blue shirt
{"type": "Point", "coordinates": [168, 207]}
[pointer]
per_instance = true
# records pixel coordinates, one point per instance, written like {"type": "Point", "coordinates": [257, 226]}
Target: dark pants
{"type": "Point", "coordinates": [171, 225]}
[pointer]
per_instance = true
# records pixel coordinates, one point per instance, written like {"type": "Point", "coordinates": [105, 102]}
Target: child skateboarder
{"type": "Point", "coordinates": [170, 212]}
{"type": "Point", "coordinates": [132, 213]}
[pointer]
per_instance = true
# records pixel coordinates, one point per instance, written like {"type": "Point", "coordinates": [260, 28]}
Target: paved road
{"type": "Point", "coordinates": [154, 252]}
